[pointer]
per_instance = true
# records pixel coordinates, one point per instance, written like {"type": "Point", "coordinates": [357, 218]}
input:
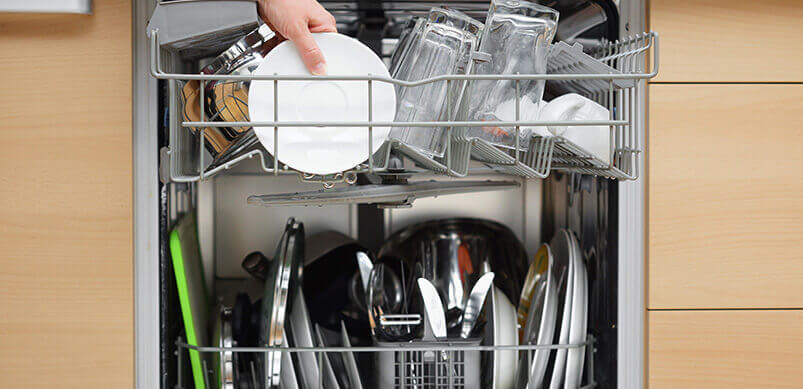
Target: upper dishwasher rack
{"type": "Point", "coordinates": [610, 76]}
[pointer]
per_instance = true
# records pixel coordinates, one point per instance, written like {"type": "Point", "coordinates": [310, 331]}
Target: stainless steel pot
{"type": "Point", "coordinates": [452, 253]}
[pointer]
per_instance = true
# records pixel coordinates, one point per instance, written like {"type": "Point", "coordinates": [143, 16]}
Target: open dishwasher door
{"type": "Point", "coordinates": [551, 185]}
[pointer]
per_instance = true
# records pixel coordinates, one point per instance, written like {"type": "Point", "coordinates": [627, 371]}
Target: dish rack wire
{"type": "Point", "coordinates": [611, 76]}
{"type": "Point", "coordinates": [401, 352]}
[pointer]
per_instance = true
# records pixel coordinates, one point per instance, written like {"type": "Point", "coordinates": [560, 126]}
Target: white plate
{"type": "Point", "coordinates": [563, 271]}
{"type": "Point", "coordinates": [577, 331]}
{"type": "Point", "coordinates": [301, 335]}
{"type": "Point", "coordinates": [322, 150]}
{"type": "Point", "coordinates": [504, 333]}
{"type": "Point", "coordinates": [329, 379]}
{"type": "Point", "coordinates": [350, 361]}
{"type": "Point", "coordinates": [288, 373]}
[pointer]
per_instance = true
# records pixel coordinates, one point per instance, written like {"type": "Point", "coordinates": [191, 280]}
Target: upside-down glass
{"type": "Point", "coordinates": [516, 36]}
{"type": "Point", "coordinates": [447, 40]}
{"type": "Point", "coordinates": [411, 33]}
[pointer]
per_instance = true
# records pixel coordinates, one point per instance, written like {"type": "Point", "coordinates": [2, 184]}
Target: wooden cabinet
{"type": "Point", "coordinates": [725, 349]}
{"type": "Point", "coordinates": [66, 271]}
{"type": "Point", "coordinates": [728, 41]}
{"type": "Point", "coordinates": [725, 209]}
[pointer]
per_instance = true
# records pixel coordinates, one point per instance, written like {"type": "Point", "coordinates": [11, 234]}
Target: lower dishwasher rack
{"type": "Point", "coordinates": [408, 365]}
{"type": "Point", "coordinates": [610, 76]}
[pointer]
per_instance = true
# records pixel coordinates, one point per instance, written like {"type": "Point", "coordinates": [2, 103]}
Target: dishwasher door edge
{"type": "Point", "coordinates": [631, 316]}
{"type": "Point", "coordinates": [146, 206]}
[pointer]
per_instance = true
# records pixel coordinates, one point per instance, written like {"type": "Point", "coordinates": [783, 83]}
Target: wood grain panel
{"type": "Point", "coordinates": [66, 271]}
{"type": "Point", "coordinates": [735, 40]}
{"type": "Point", "coordinates": [725, 349]}
{"type": "Point", "coordinates": [725, 203]}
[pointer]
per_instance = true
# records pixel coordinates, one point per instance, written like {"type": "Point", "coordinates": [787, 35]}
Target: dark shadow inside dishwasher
{"type": "Point", "coordinates": [588, 206]}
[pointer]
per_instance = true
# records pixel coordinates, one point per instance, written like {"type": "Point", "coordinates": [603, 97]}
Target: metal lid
{"type": "Point", "coordinates": [284, 271]}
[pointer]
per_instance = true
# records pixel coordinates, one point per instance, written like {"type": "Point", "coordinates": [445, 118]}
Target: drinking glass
{"type": "Point", "coordinates": [447, 40]}
{"type": "Point", "coordinates": [516, 38]}
{"type": "Point", "coordinates": [410, 34]}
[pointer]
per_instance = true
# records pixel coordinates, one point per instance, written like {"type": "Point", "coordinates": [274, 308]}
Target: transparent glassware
{"type": "Point", "coordinates": [516, 37]}
{"type": "Point", "coordinates": [411, 33]}
{"type": "Point", "coordinates": [444, 47]}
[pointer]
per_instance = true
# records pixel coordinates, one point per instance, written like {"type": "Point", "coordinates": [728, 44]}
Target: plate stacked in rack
{"type": "Point", "coordinates": [556, 299]}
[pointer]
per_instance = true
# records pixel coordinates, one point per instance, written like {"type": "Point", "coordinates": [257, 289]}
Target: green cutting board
{"type": "Point", "coordinates": [194, 301]}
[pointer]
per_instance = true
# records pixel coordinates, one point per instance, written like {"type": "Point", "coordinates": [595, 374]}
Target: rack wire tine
{"type": "Point", "coordinates": [518, 117]}
{"type": "Point", "coordinates": [201, 102]}
{"type": "Point", "coordinates": [590, 367]}
{"type": "Point", "coordinates": [275, 128]}
{"type": "Point", "coordinates": [319, 356]}
{"type": "Point", "coordinates": [179, 370]}
{"type": "Point", "coordinates": [254, 375]}
{"type": "Point", "coordinates": [612, 111]}
{"type": "Point", "coordinates": [370, 128]}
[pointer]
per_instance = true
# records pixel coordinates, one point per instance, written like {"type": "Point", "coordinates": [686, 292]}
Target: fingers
{"type": "Point", "coordinates": [311, 55]}
{"type": "Point", "coordinates": [323, 22]}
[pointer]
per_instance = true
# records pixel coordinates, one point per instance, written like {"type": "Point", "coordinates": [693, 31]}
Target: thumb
{"type": "Point", "coordinates": [311, 54]}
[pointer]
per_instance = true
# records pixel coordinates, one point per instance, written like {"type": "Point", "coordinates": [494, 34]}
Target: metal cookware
{"type": "Point", "coordinates": [256, 264]}
{"type": "Point", "coordinates": [330, 274]}
{"type": "Point", "coordinates": [451, 253]}
{"type": "Point", "coordinates": [228, 100]}
{"type": "Point", "coordinates": [284, 271]}
{"type": "Point", "coordinates": [225, 361]}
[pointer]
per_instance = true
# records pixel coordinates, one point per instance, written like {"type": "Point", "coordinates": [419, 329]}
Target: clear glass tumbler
{"type": "Point", "coordinates": [447, 40]}
{"type": "Point", "coordinates": [411, 33]}
{"type": "Point", "coordinates": [516, 37]}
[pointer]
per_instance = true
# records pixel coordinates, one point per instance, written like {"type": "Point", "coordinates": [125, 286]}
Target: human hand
{"type": "Point", "coordinates": [296, 20]}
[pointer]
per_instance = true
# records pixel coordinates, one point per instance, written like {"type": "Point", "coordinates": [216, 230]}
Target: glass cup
{"type": "Point", "coordinates": [410, 34]}
{"type": "Point", "coordinates": [516, 37]}
{"type": "Point", "coordinates": [444, 47]}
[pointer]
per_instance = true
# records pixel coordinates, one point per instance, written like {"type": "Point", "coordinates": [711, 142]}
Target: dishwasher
{"type": "Point", "coordinates": [242, 221]}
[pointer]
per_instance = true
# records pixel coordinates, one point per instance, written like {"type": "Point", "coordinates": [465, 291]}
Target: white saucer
{"type": "Point", "coordinates": [322, 150]}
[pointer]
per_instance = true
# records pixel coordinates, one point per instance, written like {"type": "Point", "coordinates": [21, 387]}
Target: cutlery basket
{"type": "Point", "coordinates": [427, 365]}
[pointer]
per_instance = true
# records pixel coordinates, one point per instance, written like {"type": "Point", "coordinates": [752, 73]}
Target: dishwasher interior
{"type": "Point", "coordinates": [546, 190]}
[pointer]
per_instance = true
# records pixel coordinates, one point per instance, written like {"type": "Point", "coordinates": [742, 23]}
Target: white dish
{"type": "Point", "coordinates": [288, 373]}
{"type": "Point", "coordinates": [351, 362]}
{"type": "Point", "coordinates": [322, 150]}
{"type": "Point", "coordinates": [329, 379]}
{"type": "Point", "coordinates": [301, 335]}
{"type": "Point", "coordinates": [504, 333]}
{"type": "Point", "coordinates": [540, 323]}
{"type": "Point", "coordinates": [564, 274]}
{"type": "Point", "coordinates": [577, 332]}
{"type": "Point", "coordinates": [595, 140]}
